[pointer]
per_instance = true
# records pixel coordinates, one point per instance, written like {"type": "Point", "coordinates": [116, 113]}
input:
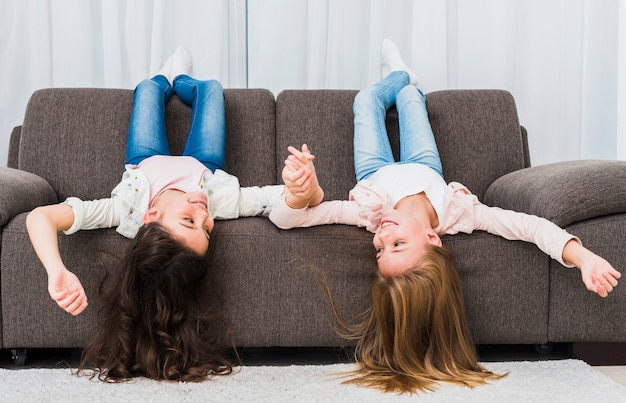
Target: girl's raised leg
{"type": "Point", "coordinates": [417, 142]}
{"type": "Point", "coordinates": [146, 134]}
{"type": "Point", "coordinates": [372, 150]}
{"type": "Point", "coordinates": [207, 136]}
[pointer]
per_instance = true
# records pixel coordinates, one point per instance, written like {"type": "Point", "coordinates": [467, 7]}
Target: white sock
{"type": "Point", "coordinates": [166, 69]}
{"type": "Point", "coordinates": [392, 61]}
{"type": "Point", "coordinates": [181, 63]}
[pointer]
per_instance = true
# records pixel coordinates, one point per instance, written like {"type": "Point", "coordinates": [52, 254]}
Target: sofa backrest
{"type": "Point", "coordinates": [478, 135]}
{"type": "Point", "coordinates": [322, 119]}
{"type": "Point", "coordinates": [75, 138]}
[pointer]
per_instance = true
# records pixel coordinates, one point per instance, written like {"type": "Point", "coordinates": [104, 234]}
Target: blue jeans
{"type": "Point", "coordinates": [206, 140]}
{"type": "Point", "coordinates": [372, 150]}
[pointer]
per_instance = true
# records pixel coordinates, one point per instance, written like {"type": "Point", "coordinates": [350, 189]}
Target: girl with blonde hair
{"type": "Point", "coordinates": [416, 333]}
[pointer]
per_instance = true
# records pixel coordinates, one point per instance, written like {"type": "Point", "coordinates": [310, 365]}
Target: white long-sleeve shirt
{"type": "Point", "coordinates": [130, 200]}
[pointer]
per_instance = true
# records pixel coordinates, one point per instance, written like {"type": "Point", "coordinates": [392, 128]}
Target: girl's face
{"type": "Point", "coordinates": [185, 216]}
{"type": "Point", "coordinates": [400, 242]}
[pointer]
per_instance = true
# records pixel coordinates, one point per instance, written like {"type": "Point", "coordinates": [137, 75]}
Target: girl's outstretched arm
{"type": "Point", "coordinates": [43, 224]}
{"type": "Point", "coordinates": [597, 274]}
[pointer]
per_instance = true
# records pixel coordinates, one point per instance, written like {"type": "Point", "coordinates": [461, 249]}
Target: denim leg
{"type": "Point", "coordinates": [207, 135]}
{"type": "Point", "coordinates": [372, 150]}
{"type": "Point", "coordinates": [417, 142]}
{"type": "Point", "coordinates": [146, 134]}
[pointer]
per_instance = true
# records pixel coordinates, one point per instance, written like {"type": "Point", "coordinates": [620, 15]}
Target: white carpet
{"type": "Point", "coordinates": [540, 381]}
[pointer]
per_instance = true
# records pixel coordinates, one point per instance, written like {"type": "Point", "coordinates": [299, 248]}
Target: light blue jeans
{"type": "Point", "coordinates": [206, 140]}
{"type": "Point", "coordinates": [372, 150]}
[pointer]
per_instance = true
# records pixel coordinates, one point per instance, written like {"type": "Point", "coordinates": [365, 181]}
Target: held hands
{"type": "Point", "coordinates": [301, 185]}
{"type": "Point", "coordinates": [65, 288]}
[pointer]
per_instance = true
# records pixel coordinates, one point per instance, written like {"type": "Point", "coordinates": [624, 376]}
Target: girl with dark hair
{"type": "Point", "coordinates": [416, 333]}
{"type": "Point", "coordinates": [154, 325]}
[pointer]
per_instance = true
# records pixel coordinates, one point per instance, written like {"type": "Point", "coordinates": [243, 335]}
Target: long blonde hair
{"type": "Point", "coordinates": [416, 334]}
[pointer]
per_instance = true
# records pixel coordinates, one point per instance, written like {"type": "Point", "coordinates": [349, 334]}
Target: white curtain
{"type": "Point", "coordinates": [621, 83]}
{"type": "Point", "coordinates": [111, 43]}
{"type": "Point", "coordinates": [563, 60]}
{"type": "Point", "coordinates": [559, 58]}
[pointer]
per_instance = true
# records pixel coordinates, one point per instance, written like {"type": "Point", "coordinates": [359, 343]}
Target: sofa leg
{"type": "Point", "coordinates": [544, 349]}
{"type": "Point", "coordinates": [19, 356]}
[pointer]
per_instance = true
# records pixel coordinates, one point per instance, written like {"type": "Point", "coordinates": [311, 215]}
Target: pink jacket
{"type": "Point", "coordinates": [463, 212]}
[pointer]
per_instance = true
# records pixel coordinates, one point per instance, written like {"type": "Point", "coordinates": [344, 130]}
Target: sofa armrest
{"type": "Point", "coordinates": [22, 191]}
{"type": "Point", "coordinates": [14, 147]}
{"type": "Point", "coordinates": [563, 192]}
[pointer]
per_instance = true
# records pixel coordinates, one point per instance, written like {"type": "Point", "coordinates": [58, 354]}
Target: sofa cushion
{"type": "Point", "coordinates": [505, 287]}
{"type": "Point", "coordinates": [478, 135]}
{"type": "Point", "coordinates": [76, 138]}
{"type": "Point", "coordinates": [577, 314]}
{"type": "Point", "coordinates": [274, 281]}
{"type": "Point", "coordinates": [250, 136]}
{"type": "Point", "coordinates": [30, 318]}
{"type": "Point", "coordinates": [322, 119]}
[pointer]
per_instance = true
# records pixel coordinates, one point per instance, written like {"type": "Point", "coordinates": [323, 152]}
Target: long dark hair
{"type": "Point", "coordinates": [153, 322]}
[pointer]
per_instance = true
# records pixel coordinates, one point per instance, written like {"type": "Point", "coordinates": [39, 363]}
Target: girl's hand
{"type": "Point", "coordinates": [300, 179]}
{"type": "Point", "coordinates": [65, 288]}
{"type": "Point", "coordinates": [598, 274]}
{"type": "Point", "coordinates": [43, 224]}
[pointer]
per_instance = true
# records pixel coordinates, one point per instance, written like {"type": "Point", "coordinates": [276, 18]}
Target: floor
{"type": "Point", "coordinates": [607, 359]}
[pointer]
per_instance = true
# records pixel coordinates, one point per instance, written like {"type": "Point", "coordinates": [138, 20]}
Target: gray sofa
{"type": "Point", "coordinates": [72, 143]}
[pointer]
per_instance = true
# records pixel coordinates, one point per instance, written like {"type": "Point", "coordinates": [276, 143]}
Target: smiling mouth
{"type": "Point", "coordinates": [387, 223]}
{"type": "Point", "coordinates": [201, 202]}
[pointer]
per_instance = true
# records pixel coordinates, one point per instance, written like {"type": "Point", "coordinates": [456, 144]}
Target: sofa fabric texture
{"type": "Point", "coordinates": [272, 284]}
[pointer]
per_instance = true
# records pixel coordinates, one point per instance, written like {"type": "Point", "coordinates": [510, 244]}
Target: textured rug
{"type": "Point", "coordinates": [537, 381]}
